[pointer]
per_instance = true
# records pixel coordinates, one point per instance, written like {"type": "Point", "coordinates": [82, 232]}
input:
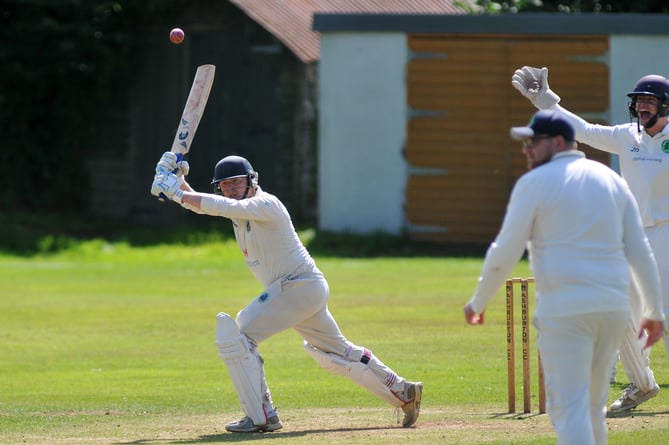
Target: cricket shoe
{"type": "Point", "coordinates": [411, 408]}
{"type": "Point", "coordinates": [246, 425]}
{"type": "Point", "coordinates": [633, 397]}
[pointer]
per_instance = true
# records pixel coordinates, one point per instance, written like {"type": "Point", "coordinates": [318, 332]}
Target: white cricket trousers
{"type": "Point", "coordinates": [634, 358]}
{"type": "Point", "coordinates": [301, 303]}
{"type": "Point", "coordinates": [658, 236]}
{"type": "Point", "coordinates": [577, 353]}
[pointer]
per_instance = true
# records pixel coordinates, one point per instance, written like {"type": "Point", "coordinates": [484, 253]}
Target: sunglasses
{"type": "Point", "coordinates": [531, 142]}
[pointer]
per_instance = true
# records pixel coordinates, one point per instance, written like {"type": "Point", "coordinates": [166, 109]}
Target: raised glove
{"type": "Point", "coordinates": [167, 185]}
{"type": "Point", "coordinates": [533, 84]}
{"type": "Point", "coordinates": [169, 163]}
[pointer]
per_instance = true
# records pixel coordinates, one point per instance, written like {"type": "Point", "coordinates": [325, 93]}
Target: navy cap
{"type": "Point", "coordinates": [545, 122]}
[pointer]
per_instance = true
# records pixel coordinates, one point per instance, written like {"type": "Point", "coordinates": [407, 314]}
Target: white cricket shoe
{"type": "Point", "coordinates": [633, 397]}
{"type": "Point", "coordinates": [411, 408]}
{"type": "Point", "coordinates": [246, 425]}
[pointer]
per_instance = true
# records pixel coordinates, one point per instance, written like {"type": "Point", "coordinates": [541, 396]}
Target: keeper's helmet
{"type": "Point", "coordinates": [651, 85]}
{"type": "Point", "coordinates": [233, 167]}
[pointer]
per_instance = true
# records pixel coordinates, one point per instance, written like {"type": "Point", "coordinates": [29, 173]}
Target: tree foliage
{"type": "Point", "coordinates": [61, 60]}
{"type": "Point", "coordinates": [576, 6]}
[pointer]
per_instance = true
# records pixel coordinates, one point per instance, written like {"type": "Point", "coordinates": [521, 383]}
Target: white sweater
{"type": "Point", "coordinates": [582, 228]}
{"type": "Point", "coordinates": [644, 161]}
{"type": "Point", "coordinates": [265, 235]}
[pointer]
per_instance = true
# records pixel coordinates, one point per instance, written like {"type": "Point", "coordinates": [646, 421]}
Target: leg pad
{"type": "Point", "coordinates": [244, 367]}
{"type": "Point", "coordinates": [358, 372]}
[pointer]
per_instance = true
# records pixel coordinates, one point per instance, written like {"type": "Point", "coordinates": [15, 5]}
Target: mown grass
{"type": "Point", "coordinates": [112, 342]}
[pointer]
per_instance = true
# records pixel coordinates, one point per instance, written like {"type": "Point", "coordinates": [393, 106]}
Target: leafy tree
{"type": "Point", "coordinates": [61, 61]}
{"type": "Point", "coordinates": [576, 6]}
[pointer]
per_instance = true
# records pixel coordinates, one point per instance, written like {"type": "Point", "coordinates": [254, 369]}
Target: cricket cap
{"type": "Point", "coordinates": [544, 123]}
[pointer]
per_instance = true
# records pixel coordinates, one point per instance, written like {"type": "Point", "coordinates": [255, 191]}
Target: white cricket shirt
{"type": "Point", "coordinates": [581, 226]}
{"type": "Point", "coordinates": [644, 161]}
{"type": "Point", "coordinates": [264, 233]}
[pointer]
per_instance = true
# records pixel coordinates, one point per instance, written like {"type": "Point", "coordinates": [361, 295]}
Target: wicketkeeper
{"type": "Point", "coordinates": [295, 295]}
{"type": "Point", "coordinates": [643, 151]}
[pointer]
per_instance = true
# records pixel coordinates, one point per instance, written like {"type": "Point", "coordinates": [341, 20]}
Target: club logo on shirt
{"type": "Point", "coordinates": [263, 297]}
{"type": "Point", "coordinates": [665, 146]}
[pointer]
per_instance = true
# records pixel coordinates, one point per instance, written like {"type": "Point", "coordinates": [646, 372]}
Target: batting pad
{"type": "Point", "coordinates": [245, 368]}
{"type": "Point", "coordinates": [355, 371]}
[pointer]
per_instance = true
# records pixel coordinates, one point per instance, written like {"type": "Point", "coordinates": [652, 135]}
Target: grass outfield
{"type": "Point", "coordinates": [111, 344]}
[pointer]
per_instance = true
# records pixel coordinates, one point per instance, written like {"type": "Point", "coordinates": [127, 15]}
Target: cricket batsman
{"type": "Point", "coordinates": [295, 295]}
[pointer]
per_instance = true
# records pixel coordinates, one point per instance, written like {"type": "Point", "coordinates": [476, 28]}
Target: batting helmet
{"type": "Point", "coordinates": [233, 167]}
{"type": "Point", "coordinates": [651, 85]}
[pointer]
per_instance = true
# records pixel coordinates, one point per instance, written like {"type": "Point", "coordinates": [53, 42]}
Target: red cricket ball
{"type": "Point", "coordinates": [177, 35]}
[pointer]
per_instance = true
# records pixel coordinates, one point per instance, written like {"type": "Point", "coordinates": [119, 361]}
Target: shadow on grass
{"type": "Point", "coordinates": [634, 413]}
{"type": "Point", "coordinates": [516, 416]}
{"type": "Point", "coordinates": [609, 414]}
{"type": "Point", "coordinates": [245, 437]}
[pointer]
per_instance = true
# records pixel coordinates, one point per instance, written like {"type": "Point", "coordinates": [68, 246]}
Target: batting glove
{"type": "Point", "coordinates": [533, 84]}
{"type": "Point", "coordinates": [167, 186]}
{"type": "Point", "coordinates": [170, 163]}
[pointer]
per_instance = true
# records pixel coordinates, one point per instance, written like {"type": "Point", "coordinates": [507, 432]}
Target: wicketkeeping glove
{"type": "Point", "coordinates": [533, 84]}
{"type": "Point", "coordinates": [170, 163]}
{"type": "Point", "coordinates": [167, 185]}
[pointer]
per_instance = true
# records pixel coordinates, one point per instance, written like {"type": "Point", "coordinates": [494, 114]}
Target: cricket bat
{"type": "Point", "coordinates": [192, 113]}
{"type": "Point", "coordinates": [190, 118]}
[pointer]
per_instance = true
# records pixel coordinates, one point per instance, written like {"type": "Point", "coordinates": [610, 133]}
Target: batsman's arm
{"type": "Point", "coordinates": [191, 200]}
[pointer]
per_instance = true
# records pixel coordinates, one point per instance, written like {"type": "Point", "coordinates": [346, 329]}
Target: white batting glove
{"type": "Point", "coordinates": [533, 84]}
{"type": "Point", "coordinates": [168, 164]}
{"type": "Point", "coordinates": [167, 186]}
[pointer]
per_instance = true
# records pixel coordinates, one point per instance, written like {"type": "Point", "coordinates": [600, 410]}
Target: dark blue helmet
{"type": "Point", "coordinates": [233, 167]}
{"type": "Point", "coordinates": [651, 85]}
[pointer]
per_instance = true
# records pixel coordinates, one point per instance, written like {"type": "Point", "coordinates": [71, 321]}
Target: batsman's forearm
{"type": "Point", "coordinates": [192, 201]}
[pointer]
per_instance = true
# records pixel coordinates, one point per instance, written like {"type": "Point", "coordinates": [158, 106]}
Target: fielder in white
{"type": "Point", "coordinates": [643, 150]}
{"type": "Point", "coordinates": [581, 226]}
{"type": "Point", "coordinates": [295, 295]}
